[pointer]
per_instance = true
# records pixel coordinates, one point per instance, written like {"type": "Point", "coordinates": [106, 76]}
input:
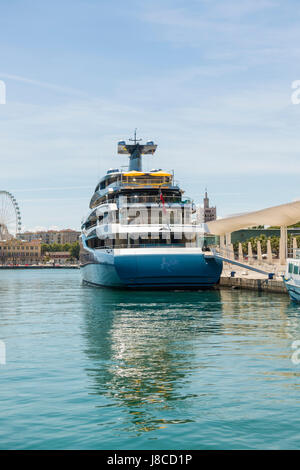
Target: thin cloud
{"type": "Point", "coordinates": [218, 27]}
{"type": "Point", "coordinates": [58, 188]}
{"type": "Point", "coordinates": [60, 199]}
{"type": "Point", "coordinates": [51, 86]}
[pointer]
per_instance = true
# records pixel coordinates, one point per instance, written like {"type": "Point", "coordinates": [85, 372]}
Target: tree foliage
{"type": "Point", "coordinates": [72, 248]}
{"type": "Point", "coordinates": [263, 241]}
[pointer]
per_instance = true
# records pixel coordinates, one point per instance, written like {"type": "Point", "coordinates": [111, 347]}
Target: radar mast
{"type": "Point", "coordinates": [135, 151]}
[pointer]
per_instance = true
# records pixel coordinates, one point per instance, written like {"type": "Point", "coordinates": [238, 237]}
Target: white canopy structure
{"type": "Point", "coordinates": [283, 216]}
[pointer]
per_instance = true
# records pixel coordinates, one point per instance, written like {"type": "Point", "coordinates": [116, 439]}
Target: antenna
{"type": "Point", "coordinates": [135, 151]}
{"type": "Point", "coordinates": [135, 140]}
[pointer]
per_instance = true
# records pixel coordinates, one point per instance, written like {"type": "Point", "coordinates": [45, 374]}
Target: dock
{"type": "Point", "coordinates": [260, 285]}
{"type": "Point", "coordinates": [252, 281]}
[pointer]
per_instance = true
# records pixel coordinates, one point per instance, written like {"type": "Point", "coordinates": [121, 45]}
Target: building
{"type": "Point", "coordinates": [210, 213]}
{"type": "Point", "coordinates": [52, 236]}
{"type": "Point", "coordinates": [15, 251]}
{"type": "Point", "coordinates": [205, 213]}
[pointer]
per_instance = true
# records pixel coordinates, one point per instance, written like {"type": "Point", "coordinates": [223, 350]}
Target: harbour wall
{"type": "Point", "coordinates": [260, 285]}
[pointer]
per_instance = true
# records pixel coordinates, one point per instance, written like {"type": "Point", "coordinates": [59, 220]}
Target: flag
{"type": "Point", "coordinates": [163, 202]}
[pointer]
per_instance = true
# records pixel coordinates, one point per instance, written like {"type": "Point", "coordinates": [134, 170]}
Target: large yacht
{"type": "Point", "coordinates": [140, 233]}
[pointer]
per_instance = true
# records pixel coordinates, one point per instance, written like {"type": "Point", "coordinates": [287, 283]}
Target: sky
{"type": "Point", "coordinates": [208, 80]}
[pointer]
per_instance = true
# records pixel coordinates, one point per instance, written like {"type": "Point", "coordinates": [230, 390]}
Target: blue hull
{"type": "Point", "coordinates": [155, 271]}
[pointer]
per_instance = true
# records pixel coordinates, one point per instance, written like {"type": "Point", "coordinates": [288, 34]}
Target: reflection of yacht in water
{"type": "Point", "coordinates": [158, 361]}
{"type": "Point", "coordinates": [141, 352]}
{"type": "Point", "coordinates": [139, 231]}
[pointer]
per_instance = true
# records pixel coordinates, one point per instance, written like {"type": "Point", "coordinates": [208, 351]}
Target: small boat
{"type": "Point", "coordinates": [292, 276]}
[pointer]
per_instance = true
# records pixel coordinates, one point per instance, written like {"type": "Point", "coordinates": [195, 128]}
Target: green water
{"type": "Point", "coordinates": [92, 368]}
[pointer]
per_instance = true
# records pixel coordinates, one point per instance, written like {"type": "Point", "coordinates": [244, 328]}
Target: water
{"type": "Point", "coordinates": [90, 368]}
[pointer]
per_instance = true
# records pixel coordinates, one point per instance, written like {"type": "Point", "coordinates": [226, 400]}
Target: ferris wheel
{"type": "Point", "coordinates": [10, 216]}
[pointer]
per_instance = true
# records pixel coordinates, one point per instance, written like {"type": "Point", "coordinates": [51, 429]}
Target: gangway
{"type": "Point", "coordinates": [213, 255]}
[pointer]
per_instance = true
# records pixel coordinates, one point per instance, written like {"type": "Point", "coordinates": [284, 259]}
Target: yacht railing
{"type": "Point", "coordinates": [150, 199]}
{"type": "Point", "coordinates": [293, 253]}
{"type": "Point", "coordinates": [148, 245]}
{"type": "Point", "coordinates": [124, 200]}
{"type": "Point", "coordinates": [146, 201]}
{"type": "Point", "coordinates": [146, 182]}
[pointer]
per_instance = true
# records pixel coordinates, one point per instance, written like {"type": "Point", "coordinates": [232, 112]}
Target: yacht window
{"type": "Point", "coordinates": [111, 180]}
{"type": "Point", "coordinates": [296, 269]}
{"type": "Point", "coordinates": [160, 218]}
{"type": "Point", "coordinates": [290, 268]}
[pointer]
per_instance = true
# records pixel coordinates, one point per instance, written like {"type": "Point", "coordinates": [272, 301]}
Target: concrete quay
{"type": "Point", "coordinates": [250, 280]}
{"type": "Point", "coordinates": [268, 285]}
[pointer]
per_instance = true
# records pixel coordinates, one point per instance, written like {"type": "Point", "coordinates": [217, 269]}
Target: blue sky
{"type": "Point", "coordinates": [208, 80]}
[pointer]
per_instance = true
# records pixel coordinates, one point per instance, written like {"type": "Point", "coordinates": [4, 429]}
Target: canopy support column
{"type": "Point", "coordinates": [228, 244]}
{"type": "Point", "coordinates": [250, 253]}
{"type": "Point", "coordinates": [259, 254]}
{"type": "Point", "coordinates": [222, 242]}
{"type": "Point", "coordinates": [294, 247]}
{"type": "Point", "coordinates": [241, 255]}
{"type": "Point", "coordinates": [228, 239]}
{"type": "Point", "coordinates": [269, 252]}
{"type": "Point", "coordinates": [283, 245]}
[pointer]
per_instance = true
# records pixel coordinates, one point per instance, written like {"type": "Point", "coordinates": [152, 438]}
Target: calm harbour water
{"type": "Point", "coordinates": [92, 368]}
